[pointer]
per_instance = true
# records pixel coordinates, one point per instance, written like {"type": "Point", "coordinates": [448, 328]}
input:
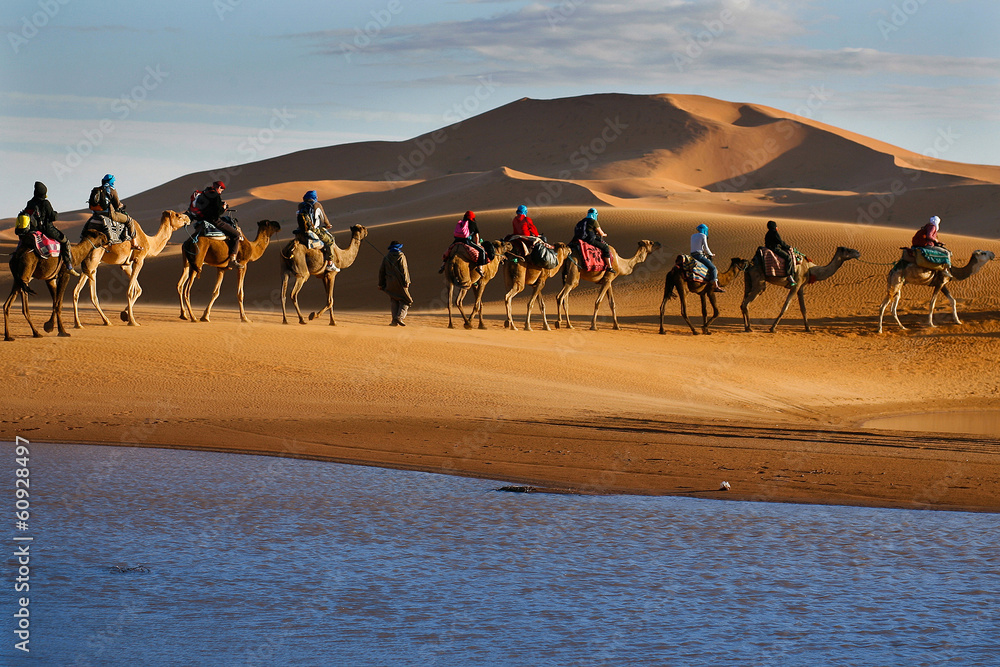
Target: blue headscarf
{"type": "Point", "coordinates": [310, 196]}
{"type": "Point", "coordinates": [522, 210]}
{"type": "Point", "coordinates": [592, 214]}
{"type": "Point", "coordinates": [703, 229]}
{"type": "Point", "coordinates": [395, 246]}
{"type": "Point", "coordinates": [108, 181]}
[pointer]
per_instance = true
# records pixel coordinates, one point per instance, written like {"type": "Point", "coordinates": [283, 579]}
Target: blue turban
{"type": "Point", "coordinates": [592, 214]}
{"type": "Point", "coordinates": [310, 196]}
{"type": "Point", "coordinates": [703, 229]}
{"type": "Point", "coordinates": [522, 210]}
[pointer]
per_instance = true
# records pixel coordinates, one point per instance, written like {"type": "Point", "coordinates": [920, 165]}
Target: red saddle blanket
{"type": "Point", "coordinates": [464, 251]}
{"type": "Point", "coordinates": [591, 256]}
{"type": "Point", "coordinates": [45, 246]}
{"type": "Point", "coordinates": [775, 266]}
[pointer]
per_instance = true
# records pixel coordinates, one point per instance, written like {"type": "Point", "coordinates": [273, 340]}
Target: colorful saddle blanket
{"type": "Point", "coordinates": [932, 258]}
{"type": "Point", "coordinates": [45, 246]}
{"type": "Point", "coordinates": [774, 266]}
{"type": "Point", "coordinates": [463, 250]}
{"type": "Point", "coordinates": [694, 271]}
{"type": "Point", "coordinates": [591, 256]}
{"type": "Point", "coordinates": [117, 232]}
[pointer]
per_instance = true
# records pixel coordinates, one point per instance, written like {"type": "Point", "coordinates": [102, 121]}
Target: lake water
{"type": "Point", "coordinates": [267, 561]}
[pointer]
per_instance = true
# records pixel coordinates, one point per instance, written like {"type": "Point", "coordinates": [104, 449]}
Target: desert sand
{"type": "Point", "coordinates": [781, 417]}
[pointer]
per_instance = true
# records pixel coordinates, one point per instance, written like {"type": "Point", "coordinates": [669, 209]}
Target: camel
{"type": "Point", "coordinates": [25, 264]}
{"type": "Point", "coordinates": [908, 273]}
{"type": "Point", "coordinates": [675, 281]}
{"type": "Point", "coordinates": [459, 273]}
{"type": "Point", "coordinates": [215, 252]}
{"type": "Point", "coordinates": [301, 262]}
{"type": "Point", "coordinates": [805, 272]}
{"type": "Point", "coordinates": [121, 254]}
{"type": "Point", "coordinates": [517, 275]}
{"type": "Point", "coordinates": [572, 275]}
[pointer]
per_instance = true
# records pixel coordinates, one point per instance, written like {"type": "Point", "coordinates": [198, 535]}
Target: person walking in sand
{"type": "Point", "coordinates": [701, 253]}
{"type": "Point", "coordinates": [394, 280]}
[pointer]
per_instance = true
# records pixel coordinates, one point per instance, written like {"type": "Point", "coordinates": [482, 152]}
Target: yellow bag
{"type": "Point", "coordinates": [23, 222]}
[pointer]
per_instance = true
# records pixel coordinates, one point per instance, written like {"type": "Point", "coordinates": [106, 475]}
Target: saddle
{"type": "Point", "coordinates": [44, 246]}
{"type": "Point", "coordinates": [203, 228]}
{"type": "Point", "coordinates": [463, 250]}
{"type": "Point", "coordinates": [117, 232]}
{"type": "Point", "coordinates": [590, 256]}
{"type": "Point", "coordinates": [521, 245]}
{"type": "Point", "coordinates": [693, 270]}
{"type": "Point", "coordinates": [310, 240]}
{"type": "Point", "coordinates": [774, 266]}
{"type": "Point", "coordinates": [933, 258]}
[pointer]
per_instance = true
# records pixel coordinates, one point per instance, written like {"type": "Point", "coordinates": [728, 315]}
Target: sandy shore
{"type": "Point", "coordinates": [780, 417]}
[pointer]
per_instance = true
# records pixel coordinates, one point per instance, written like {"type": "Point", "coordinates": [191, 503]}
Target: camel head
{"type": "Point", "coordinates": [650, 246]}
{"type": "Point", "coordinates": [845, 254]}
{"type": "Point", "coordinates": [174, 219]}
{"type": "Point", "coordinates": [268, 227]}
{"type": "Point", "coordinates": [982, 256]}
{"type": "Point", "coordinates": [359, 231]}
{"type": "Point", "coordinates": [740, 263]}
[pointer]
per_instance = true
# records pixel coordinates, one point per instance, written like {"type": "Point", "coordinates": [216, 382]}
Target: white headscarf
{"type": "Point", "coordinates": [936, 221]}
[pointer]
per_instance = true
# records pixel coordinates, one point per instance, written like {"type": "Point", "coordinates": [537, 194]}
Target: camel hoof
{"type": "Point", "coordinates": [707, 332]}
{"type": "Point", "coordinates": [205, 319]}
{"type": "Point", "coordinates": [48, 326]}
{"type": "Point", "coordinates": [8, 338]}
{"type": "Point", "coordinates": [482, 326]}
{"type": "Point", "coordinates": [662, 332]}
{"type": "Point", "coordinates": [312, 316]}
{"type": "Point", "coordinates": [468, 325]}
{"type": "Point", "coordinates": [123, 315]}
{"type": "Point", "coordinates": [63, 334]}
{"type": "Point", "coordinates": [77, 326]}
{"type": "Point", "coordinates": [617, 328]}
{"type": "Point", "coordinates": [133, 323]}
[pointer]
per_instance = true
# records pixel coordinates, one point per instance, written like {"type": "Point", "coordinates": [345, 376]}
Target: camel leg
{"type": "Point", "coordinates": [802, 307]}
{"type": "Point", "coordinates": [541, 305]}
{"type": "Point", "coordinates": [934, 298]}
{"type": "Point", "coordinates": [954, 304]}
{"type": "Point", "coordinates": [881, 310]}
{"type": "Point", "coordinates": [788, 300]}
{"type": "Point", "coordinates": [188, 285]}
{"type": "Point", "coordinates": [451, 297]}
{"type": "Point", "coordinates": [58, 292]}
{"type": "Point", "coordinates": [562, 303]}
{"type": "Point", "coordinates": [614, 310]}
{"type": "Point", "coordinates": [6, 312]}
{"type": "Point", "coordinates": [752, 291]}
{"type": "Point", "coordinates": [180, 288]}
{"type": "Point", "coordinates": [708, 296]}
{"type": "Point", "coordinates": [667, 289]}
{"type": "Point", "coordinates": [509, 304]}
{"type": "Point", "coordinates": [76, 297]}
{"type": "Point", "coordinates": [299, 282]}
{"type": "Point", "coordinates": [50, 324]}
{"type": "Point", "coordinates": [239, 294]}
{"type": "Point", "coordinates": [478, 308]}
{"type": "Point", "coordinates": [328, 279]}
{"type": "Point", "coordinates": [133, 291]}
{"type": "Point", "coordinates": [459, 298]}
{"type": "Point", "coordinates": [26, 310]}
{"type": "Point", "coordinates": [284, 296]}
{"type": "Point", "coordinates": [597, 304]}
{"type": "Point", "coordinates": [220, 274]}
{"type": "Point", "coordinates": [531, 303]}
{"type": "Point", "coordinates": [895, 310]}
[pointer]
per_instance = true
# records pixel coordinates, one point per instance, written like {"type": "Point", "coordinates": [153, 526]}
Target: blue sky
{"type": "Point", "coordinates": [150, 91]}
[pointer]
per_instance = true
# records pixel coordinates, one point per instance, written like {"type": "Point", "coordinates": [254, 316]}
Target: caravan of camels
{"type": "Point", "coordinates": [525, 261]}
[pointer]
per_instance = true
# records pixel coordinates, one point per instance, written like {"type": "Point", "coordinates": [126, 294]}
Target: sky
{"type": "Point", "coordinates": [150, 91]}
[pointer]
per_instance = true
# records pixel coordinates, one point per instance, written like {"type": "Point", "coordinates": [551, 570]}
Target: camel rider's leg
{"type": "Point", "coordinates": [605, 253]}
{"type": "Point", "coordinates": [327, 238]}
{"type": "Point", "coordinates": [129, 223]}
{"type": "Point", "coordinates": [787, 256]}
{"type": "Point", "coordinates": [713, 272]}
{"type": "Point", "coordinates": [232, 240]}
{"type": "Point", "coordinates": [64, 247]}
